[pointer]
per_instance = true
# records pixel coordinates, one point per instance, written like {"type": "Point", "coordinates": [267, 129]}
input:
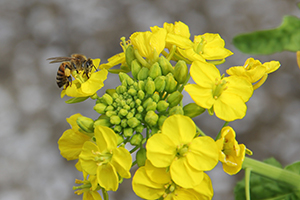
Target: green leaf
{"type": "Point", "coordinates": [263, 188]}
{"type": "Point", "coordinates": [76, 100]}
{"type": "Point", "coordinates": [286, 37]}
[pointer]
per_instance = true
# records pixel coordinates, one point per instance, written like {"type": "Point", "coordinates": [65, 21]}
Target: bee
{"type": "Point", "coordinates": [76, 62]}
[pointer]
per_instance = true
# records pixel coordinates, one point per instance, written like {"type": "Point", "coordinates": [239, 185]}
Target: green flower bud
{"type": "Point", "coordinates": [176, 110]}
{"type": "Point", "coordinates": [109, 108]}
{"type": "Point", "coordinates": [100, 108]}
{"type": "Point", "coordinates": [86, 124]}
{"type": "Point", "coordinates": [140, 109]}
{"type": "Point", "coordinates": [129, 55]}
{"type": "Point", "coordinates": [160, 83]}
{"type": "Point", "coordinates": [124, 123]}
{"type": "Point", "coordinates": [128, 132]}
{"type": "Point", "coordinates": [124, 83]}
{"type": "Point", "coordinates": [110, 113]}
{"type": "Point", "coordinates": [132, 92]}
{"type": "Point", "coordinates": [141, 94]}
{"type": "Point", "coordinates": [139, 128]}
{"type": "Point", "coordinates": [111, 92]}
{"type": "Point", "coordinates": [155, 71]}
{"type": "Point", "coordinates": [121, 89]}
{"type": "Point", "coordinates": [181, 71]}
{"type": "Point", "coordinates": [126, 107]}
{"type": "Point", "coordinates": [192, 110]}
{"type": "Point", "coordinates": [135, 68]}
{"type": "Point", "coordinates": [148, 101]}
{"type": "Point", "coordinates": [162, 106]}
{"type": "Point", "coordinates": [165, 65]}
{"type": "Point", "coordinates": [143, 73]}
{"type": "Point", "coordinates": [103, 120]}
{"type": "Point", "coordinates": [156, 97]}
{"type": "Point", "coordinates": [107, 99]}
{"type": "Point", "coordinates": [141, 157]}
{"type": "Point", "coordinates": [151, 106]}
{"type": "Point", "coordinates": [141, 85]}
{"type": "Point", "coordinates": [150, 86]}
{"type": "Point", "coordinates": [151, 118]}
{"type": "Point", "coordinates": [123, 76]}
{"type": "Point", "coordinates": [117, 128]}
{"type": "Point", "coordinates": [129, 115]}
{"type": "Point", "coordinates": [132, 105]}
{"type": "Point", "coordinates": [174, 99]}
{"type": "Point", "coordinates": [170, 83]}
{"type": "Point", "coordinates": [138, 102]}
{"type": "Point", "coordinates": [123, 112]}
{"type": "Point", "coordinates": [133, 122]}
{"type": "Point", "coordinates": [161, 120]}
{"type": "Point", "coordinates": [120, 139]}
{"type": "Point", "coordinates": [136, 139]}
{"type": "Point", "coordinates": [115, 119]}
{"type": "Point", "coordinates": [115, 95]}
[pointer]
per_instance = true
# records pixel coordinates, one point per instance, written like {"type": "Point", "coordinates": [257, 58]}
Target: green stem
{"type": "Point", "coordinates": [247, 183]}
{"type": "Point", "coordinates": [200, 131]}
{"type": "Point", "coordinates": [219, 134]}
{"type": "Point", "coordinates": [105, 195]}
{"type": "Point", "coordinates": [172, 51]}
{"type": "Point", "coordinates": [272, 172]}
{"type": "Point", "coordinates": [185, 82]}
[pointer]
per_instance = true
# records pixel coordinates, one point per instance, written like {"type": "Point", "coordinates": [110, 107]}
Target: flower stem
{"type": "Point", "coordinates": [105, 195]}
{"type": "Point", "coordinates": [272, 172]}
{"type": "Point", "coordinates": [200, 132]}
{"type": "Point", "coordinates": [247, 182]}
{"type": "Point", "coordinates": [219, 134]}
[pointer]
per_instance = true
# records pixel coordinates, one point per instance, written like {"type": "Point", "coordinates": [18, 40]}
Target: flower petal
{"type": "Point", "coordinates": [204, 74]}
{"type": "Point", "coordinates": [107, 177]}
{"type": "Point", "coordinates": [94, 83]}
{"type": "Point", "coordinates": [201, 96]}
{"type": "Point", "coordinates": [157, 175]}
{"type": "Point", "coordinates": [106, 138]}
{"type": "Point", "coordinates": [239, 86]}
{"type": "Point", "coordinates": [87, 158]}
{"type": "Point", "coordinates": [122, 161]}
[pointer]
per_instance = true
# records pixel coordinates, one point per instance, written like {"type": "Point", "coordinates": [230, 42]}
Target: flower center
{"type": "Point", "coordinates": [219, 87]}
{"type": "Point", "coordinates": [170, 188]}
{"type": "Point", "coordinates": [102, 158]}
{"type": "Point", "coordinates": [199, 46]}
{"type": "Point", "coordinates": [182, 150]}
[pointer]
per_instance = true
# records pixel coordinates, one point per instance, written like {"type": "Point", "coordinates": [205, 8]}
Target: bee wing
{"type": "Point", "coordinates": [59, 59]}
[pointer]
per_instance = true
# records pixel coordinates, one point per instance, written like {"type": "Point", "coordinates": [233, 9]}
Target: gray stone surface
{"type": "Point", "coordinates": [32, 114]}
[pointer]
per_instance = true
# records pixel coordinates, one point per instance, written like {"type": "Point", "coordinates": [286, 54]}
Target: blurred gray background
{"type": "Point", "coordinates": [32, 114]}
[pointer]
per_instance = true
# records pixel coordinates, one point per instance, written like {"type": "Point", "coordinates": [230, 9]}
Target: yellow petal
{"type": "Point", "coordinates": [157, 175]}
{"type": "Point", "coordinates": [122, 161]}
{"type": "Point", "coordinates": [106, 138]}
{"type": "Point", "coordinates": [204, 74]}
{"type": "Point", "coordinates": [87, 158]}
{"type": "Point", "coordinates": [201, 96]}
{"type": "Point", "coordinates": [179, 41]}
{"type": "Point", "coordinates": [239, 86]}
{"type": "Point", "coordinates": [205, 188]}
{"type": "Point", "coordinates": [108, 177]}
{"type": "Point", "coordinates": [237, 160]}
{"type": "Point", "coordinates": [94, 83]}
{"type": "Point", "coordinates": [271, 66]}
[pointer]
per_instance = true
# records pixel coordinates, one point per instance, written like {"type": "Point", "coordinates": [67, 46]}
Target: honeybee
{"type": "Point", "coordinates": [76, 62]}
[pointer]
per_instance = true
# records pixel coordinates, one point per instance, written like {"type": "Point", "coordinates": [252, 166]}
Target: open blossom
{"type": "Point", "coordinates": [83, 87]}
{"type": "Point", "coordinates": [150, 182]}
{"type": "Point", "coordinates": [232, 154]}
{"type": "Point", "coordinates": [104, 159]}
{"type": "Point", "coordinates": [176, 147]}
{"type": "Point", "coordinates": [225, 96]}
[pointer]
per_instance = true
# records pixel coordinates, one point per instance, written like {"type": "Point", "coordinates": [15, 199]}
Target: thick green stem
{"type": "Point", "coordinates": [272, 172]}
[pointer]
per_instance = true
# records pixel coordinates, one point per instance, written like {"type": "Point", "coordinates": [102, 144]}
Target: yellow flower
{"type": "Point", "coordinates": [72, 140]}
{"type": "Point", "coordinates": [225, 96]}
{"type": "Point", "coordinates": [149, 44]}
{"type": "Point", "coordinates": [105, 159]}
{"type": "Point", "coordinates": [187, 156]}
{"type": "Point", "coordinates": [232, 154]}
{"type": "Point", "coordinates": [113, 61]}
{"type": "Point", "coordinates": [150, 182]}
{"type": "Point", "coordinates": [208, 46]}
{"type": "Point", "coordinates": [254, 71]}
{"type": "Point", "coordinates": [85, 87]}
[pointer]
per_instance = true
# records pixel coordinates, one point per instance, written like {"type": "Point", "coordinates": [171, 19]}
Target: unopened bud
{"type": "Point", "coordinates": [151, 118]}
{"type": "Point", "coordinates": [156, 97]}
{"type": "Point", "coordinates": [103, 120]}
{"type": "Point", "coordinates": [143, 73]}
{"type": "Point", "coordinates": [127, 132]}
{"type": "Point", "coordinates": [151, 106]}
{"type": "Point", "coordinates": [123, 76]}
{"type": "Point", "coordinates": [136, 139]}
{"type": "Point", "coordinates": [124, 123]}
{"type": "Point", "coordinates": [162, 106]}
{"type": "Point", "coordinates": [193, 110]}
{"type": "Point", "coordinates": [100, 108]}
{"type": "Point", "coordinates": [110, 91]}
{"type": "Point", "coordinates": [139, 128]}
{"type": "Point", "coordinates": [154, 71]}
{"type": "Point", "coordinates": [165, 65]}
{"type": "Point", "coordinates": [180, 71]}
{"type": "Point", "coordinates": [133, 122]}
{"type": "Point", "coordinates": [175, 98]}
{"type": "Point", "coordinates": [150, 86]}
{"type": "Point", "coordinates": [86, 124]}
{"type": "Point", "coordinates": [132, 92]}
{"type": "Point", "coordinates": [129, 55]}
{"type": "Point", "coordinates": [148, 101]}
{"type": "Point", "coordinates": [115, 119]}
{"type": "Point", "coordinates": [141, 94]}
{"type": "Point", "coordinates": [170, 83]}
{"type": "Point", "coordinates": [117, 128]}
{"type": "Point", "coordinates": [141, 85]}
{"type": "Point", "coordinates": [141, 157]}
{"type": "Point", "coordinates": [160, 83]}
{"type": "Point", "coordinates": [176, 110]}
{"type": "Point", "coordinates": [121, 89]}
{"type": "Point", "coordinates": [123, 112]}
{"type": "Point", "coordinates": [135, 68]}
{"type": "Point", "coordinates": [107, 99]}
{"type": "Point", "coordinates": [120, 139]}
{"type": "Point", "coordinates": [161, 120]}
{"type": "Point", "coordinates": [110, 113]}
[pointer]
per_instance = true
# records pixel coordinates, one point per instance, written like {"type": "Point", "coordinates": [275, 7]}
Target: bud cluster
{"type": "Point", "coordinates": [143, 101]}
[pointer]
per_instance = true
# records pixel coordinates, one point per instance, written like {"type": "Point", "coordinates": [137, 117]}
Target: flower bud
{"type": "Point", "coordinates": [103, 120]}
{"type": "Point", "coordinates": [165, 65]}
{"type": "Point", "coordinates": [141, 94]}
{"type": "Point", "coordinates": [161, 120]}
{"type": "Point", "coordinates": [141, 157]}
{"type": "Point", "coordinates": [115, 119]}
{"type": "Point", "coordinates": [162, 106]}
{"type": "Point", "coordinates": [151, 106]}
{"type": "Point", "coordinates": [109, 108]}
{"type": "Point", "coordinates": [120, 139]}
{"type": "Point", "coordinates": [127, 132]}
{"type": "Point", "coordinates": [174, 99]}
{"type": "Point", "coordinates": [129, 55]}
{"type": "Point", "coordinates": [151, 118]}
{"type": "Point", "coordinates": [110, 113]}
{"type": "Point", "coordinates": [141, 85]}
{"type": "Point", "coordinates": [86, 124]}
{"type": "Point", "coordinates": [156, 97]}
{"type": "Point", "coordinates": [123, 76]}
{"type": "Point", "coordinates": [110, 92]}
{"type": "Point", "coordinates": [170, 83]}
{"type": "Point", "coordinates": [143, 73]}
{"type": "Point", "coordinates": [124, 123]}
{"type": "Point", "coordinates": [133, 122]}
{"type": "Point", "coordinates": [192, 110]}
{"type": "Point", "coordinates": [139, 128]}
{"type": "Point", "coordinates": [106, 98]}
{"type": "Point", "coordinates": [117, 128]}
{"type": "Point", "coordinates": [140, 109]}
{"type": "Point", "coordinates": [155, 71]}
{"type": "Point", "coordinates": [121, 89]}
{"type": "Point", "coordinates": [132, 92]}
{"type": "Point", "coordinates": [150, 86]}
{"type": "Point", "coordinates": [100, 108]}
{"type": "Point", "coordinates": [123, 112]}
{"type": "Point", "coordinates": [139, 116]}
{"type": "Point", "coordinates": [176, 110]}
{"type": "Point", "coordinates": [135, 68]}
{"type": "Point", "coordinates": [160, 83]}
{"type": "Point", "coordinates": [136, 139]}
{"type": "Point", "coordinates": [138, 102]}
{"type": "Point", "coordinates": [180, 71]}
{"type": "Point", "coordinates": [148, 101]}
